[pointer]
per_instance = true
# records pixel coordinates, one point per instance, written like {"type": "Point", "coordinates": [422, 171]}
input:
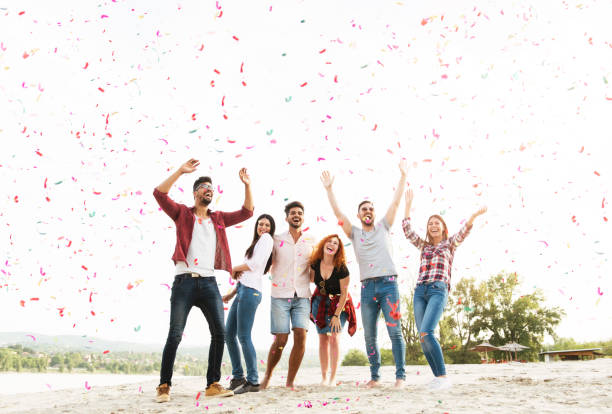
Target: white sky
{"type": "Point", "coordinates": [498, 104]}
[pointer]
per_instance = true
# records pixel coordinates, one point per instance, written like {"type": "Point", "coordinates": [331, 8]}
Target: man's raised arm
{"type": "Point", "coordinates": [397, 196]}
{"type": "Point", "coordinates": [248, 197]}
{"type": "Point", "coordinates": [189, 167]}
{"type": "Point", "coordinates": [327, 181]}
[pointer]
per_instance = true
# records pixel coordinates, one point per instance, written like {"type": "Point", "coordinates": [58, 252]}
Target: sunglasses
{"type": "Point", "coordinates": [322, 287]}
{"type": "Point", "coordinates": [205, 186]}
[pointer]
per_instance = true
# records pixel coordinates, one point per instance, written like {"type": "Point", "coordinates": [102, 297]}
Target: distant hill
{"type": "Point", "coordinates": [63, 343]}
{"type": "Point", "coordinates": [66, 343]}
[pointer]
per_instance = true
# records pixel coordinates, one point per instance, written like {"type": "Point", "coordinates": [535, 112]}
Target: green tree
{"type": "Point", "coordinates": [464, 304]}
{"type": "Point", "coordinates": [508, 317]}
{"type": "Point", "coordinates": [355, 357]}
{"type": "Point", "coordinates": [410, 331]}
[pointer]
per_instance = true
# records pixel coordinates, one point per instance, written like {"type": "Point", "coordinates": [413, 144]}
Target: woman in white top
{"type": "Point", "coordinates": [258, 259]}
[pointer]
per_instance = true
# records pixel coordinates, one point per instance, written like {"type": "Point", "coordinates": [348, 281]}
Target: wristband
{"type": "Point", "coordinates": [336, 316]}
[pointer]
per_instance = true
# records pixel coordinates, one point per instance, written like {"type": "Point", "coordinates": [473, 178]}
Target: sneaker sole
{"type": "Point", "coordinates": [227, 394]}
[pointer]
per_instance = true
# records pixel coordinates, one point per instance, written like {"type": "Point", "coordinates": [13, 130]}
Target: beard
{"type": "Point", "coordinates": [295, 225]}
{"type": "Point", "coordinates": [204, 201]}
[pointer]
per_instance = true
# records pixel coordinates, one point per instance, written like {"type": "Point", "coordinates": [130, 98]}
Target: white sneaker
{"type": "Point", "coordinates": [433, 384]}
{"type": "Point", "coordinates": [441, 383]}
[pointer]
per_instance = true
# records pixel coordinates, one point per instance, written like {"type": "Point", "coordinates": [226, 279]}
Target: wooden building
{"type": "Point", "coordinates": [572, 354]}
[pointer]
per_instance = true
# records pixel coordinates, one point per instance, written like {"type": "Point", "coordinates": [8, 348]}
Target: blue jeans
{"type": "Point", "coordinates": [429, 302]}
{"type": "Point", "coordinates": [240, 323]}
{"type": "Point", "coordinates": [381, 293]}
{"type": "Point", "coordinates": [187, 292]}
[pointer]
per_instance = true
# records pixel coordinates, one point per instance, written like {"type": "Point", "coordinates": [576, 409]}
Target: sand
{"type": "Point", "coordinates": [572, 387]}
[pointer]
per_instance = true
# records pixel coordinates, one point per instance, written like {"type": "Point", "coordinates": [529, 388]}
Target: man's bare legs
{"type": "Point", "coordinates": [297, 354]}
{"type": "Point", "coordinates": [276, 351]}
{"type": "Point", "coordinates": [334, 353]}
{"type": "Point", "coordinates": [324, 356]}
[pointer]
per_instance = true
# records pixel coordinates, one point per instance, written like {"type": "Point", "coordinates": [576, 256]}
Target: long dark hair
{"type": "Point", "coordinates": [249, 251]}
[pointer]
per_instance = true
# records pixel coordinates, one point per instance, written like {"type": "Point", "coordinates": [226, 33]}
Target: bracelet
{"type": "Point", "coordinates": [335, 316]}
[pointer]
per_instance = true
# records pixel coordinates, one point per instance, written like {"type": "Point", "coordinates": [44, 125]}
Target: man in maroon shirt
{"type": "Point", "coordinates": [201, 247]}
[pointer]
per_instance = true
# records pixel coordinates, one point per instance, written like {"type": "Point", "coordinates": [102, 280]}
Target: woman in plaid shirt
{"type": "Point", "coordinates": [433, 284]}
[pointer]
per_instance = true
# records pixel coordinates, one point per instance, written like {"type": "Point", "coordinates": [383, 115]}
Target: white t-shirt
{"type": "Point", "coordinates": [257, 263]}
{"type": "Point", "coordinates": [201, 253]}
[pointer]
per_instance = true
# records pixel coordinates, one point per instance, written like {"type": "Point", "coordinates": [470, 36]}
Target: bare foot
{"type": "Point", "coordinates": [372, 384]}
{"type": "Point", "coordinates": [292, 387]}
{"type": "Point", "coordinates": [399, 383]}
{"type": "Point", "coordinates": [324, 382]}
{"type": "Point", "coordinates": [332, 382]}
{"type": "Point", "coordinates": [264, 384]}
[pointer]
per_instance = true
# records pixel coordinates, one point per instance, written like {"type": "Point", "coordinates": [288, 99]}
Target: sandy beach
{"type": "Point", "coordinates": [573, 387]}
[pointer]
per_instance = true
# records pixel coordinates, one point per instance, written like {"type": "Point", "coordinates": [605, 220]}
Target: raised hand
{"type": "Point", "coordinates": [327, 179]}
{"type": "Point", "coordinates": [190, 166]}
{"type": "Point", "coordinates": [244, 176]}
{"type": "Point", "coordinates": [480, 211]}
{"type": "Point", "coordinates": [409, 196]}
{"type": "Point", "coordinates": [403, 166]}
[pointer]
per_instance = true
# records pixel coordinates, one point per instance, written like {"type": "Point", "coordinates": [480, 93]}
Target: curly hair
{"type": "Point", "coordinates": [339, 257]}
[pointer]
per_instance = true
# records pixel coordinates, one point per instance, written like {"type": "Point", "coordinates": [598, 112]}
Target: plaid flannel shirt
{"type": "Point", "coordinates": [436, 261]}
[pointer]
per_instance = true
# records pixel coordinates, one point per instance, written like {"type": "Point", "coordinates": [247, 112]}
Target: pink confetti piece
{"type": "Point", "coordinates": [32, 336]}
{"type": "Point", "coordinates": [219, 189]}
{"type": "Point", "coordinates": [104, 16]}
{"type": "Point", "coordinates": [87, 386]}
{"type": "Point", "coordinates": [542, 241]}
{"type": "Point", "coordinates": [599, 292]}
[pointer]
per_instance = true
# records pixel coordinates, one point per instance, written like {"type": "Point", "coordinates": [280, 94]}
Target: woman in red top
{"type": "Point", "coordinates": [433, 284]}
{"type": "Point", "coordinates": [331, 304]}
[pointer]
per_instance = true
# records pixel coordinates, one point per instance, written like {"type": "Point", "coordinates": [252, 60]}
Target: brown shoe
{"type": "Point", "coordinates": [163, 393]}
{"type": "Point", "coordinates": [216, 390]}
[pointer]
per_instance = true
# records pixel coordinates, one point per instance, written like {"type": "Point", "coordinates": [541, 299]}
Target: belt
{"type": "Point", "coordinates": [192, 274]}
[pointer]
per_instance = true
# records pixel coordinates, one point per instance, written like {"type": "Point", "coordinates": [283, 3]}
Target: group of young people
{"type": "Point", "coordinates": [294, 261]}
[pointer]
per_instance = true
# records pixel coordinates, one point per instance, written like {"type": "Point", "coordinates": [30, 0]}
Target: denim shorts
{"type": "Point", "coordinates": [315, 307]}
{"type": "Point", "coordinates": [286, 313]}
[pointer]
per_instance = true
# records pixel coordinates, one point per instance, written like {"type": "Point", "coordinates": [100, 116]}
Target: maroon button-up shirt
{"type": "Point", "coordinates": [184, 220]}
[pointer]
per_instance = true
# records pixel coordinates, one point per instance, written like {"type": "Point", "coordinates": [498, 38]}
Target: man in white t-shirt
{"type": "Point", "coordinates": [201, 247]}
{"type": "Point", "coordinates": [290, 303]}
